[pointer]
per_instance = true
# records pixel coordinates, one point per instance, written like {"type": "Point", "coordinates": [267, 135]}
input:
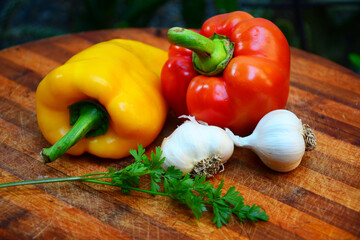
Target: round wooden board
{"type": "Point", "coordinates": [318, 200]}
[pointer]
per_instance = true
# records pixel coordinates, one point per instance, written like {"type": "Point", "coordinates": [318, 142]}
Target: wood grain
{"type": "Point", "coordinates": [318, 200]}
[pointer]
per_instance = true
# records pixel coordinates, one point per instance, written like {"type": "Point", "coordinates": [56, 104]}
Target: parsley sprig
{"type": "Point", "coordinates": [196, 193]}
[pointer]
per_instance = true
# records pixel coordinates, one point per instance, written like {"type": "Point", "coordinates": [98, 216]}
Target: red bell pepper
{"type": "Point", "coordinates": [230, 74]}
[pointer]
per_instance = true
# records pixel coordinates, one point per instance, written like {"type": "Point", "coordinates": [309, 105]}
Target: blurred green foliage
{"type": "Point", "coordinates": [100, 14]}
{"type": "Point", "coordinates": [330, 28]}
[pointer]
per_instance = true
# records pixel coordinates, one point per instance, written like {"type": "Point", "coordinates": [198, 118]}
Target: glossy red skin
{"type": "Point", "coordinates": [255, 82]}
{"type": "Point", "coordinates": [176, 75]}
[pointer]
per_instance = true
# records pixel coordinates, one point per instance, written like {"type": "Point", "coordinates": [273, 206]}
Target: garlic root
{"type": "Point", "coordinates": [208, 166]}
{"type": "Point", "coordinates": [309, 138]}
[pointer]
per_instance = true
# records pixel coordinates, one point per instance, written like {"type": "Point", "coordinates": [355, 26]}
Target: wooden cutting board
{"type": "Point", "coordinates": [318, 200]}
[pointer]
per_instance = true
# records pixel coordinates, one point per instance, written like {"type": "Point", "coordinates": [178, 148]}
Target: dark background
{"type": "Point", "coordinates": [327, 28]}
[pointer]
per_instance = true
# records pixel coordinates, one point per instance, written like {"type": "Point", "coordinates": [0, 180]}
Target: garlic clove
{"type": "Point", "coordinates": [197, 148]}
{"type": "Point", "coordinates": [278, 140]}
{"type": "Point", "coordinates": [280, 152]}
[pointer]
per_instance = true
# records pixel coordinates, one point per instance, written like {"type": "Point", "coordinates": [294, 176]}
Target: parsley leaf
{"type": "Point", "coordinates": [155, 171]}
{"type": "Point", "coordinates": [222, 213]}
{"type": "Point", "coordinates": [233, 197]}
{"type": "Point", "coordinates": [139, 154]}
{"type": "Point", "coordinates": [252, 213]}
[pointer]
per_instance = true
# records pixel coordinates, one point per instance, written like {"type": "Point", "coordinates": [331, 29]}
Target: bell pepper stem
{"type": "Point", "coordinates": [210, 55]}
{"type": "Point", "coordinates": [203, 46]}
{"type": "Point", "coordinates": [88, 119]}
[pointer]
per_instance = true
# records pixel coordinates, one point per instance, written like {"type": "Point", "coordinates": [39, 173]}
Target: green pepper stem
{"type": "Point", "coordinates": [88, 119]}
{"type": "Point", "coordinates": [210, 55]}
{"type": "Point", "coordinates": [203, 46]}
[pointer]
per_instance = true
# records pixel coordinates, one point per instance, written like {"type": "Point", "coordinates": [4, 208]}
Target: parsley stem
{"type": "Point", "coordinates": [126, 187]}
{"type": "Point", "coordinates": [94, 174]}
{"type": "Point", "coordinates": [148, 191]}
{"type": "Point", "coordinates": [38, 181]}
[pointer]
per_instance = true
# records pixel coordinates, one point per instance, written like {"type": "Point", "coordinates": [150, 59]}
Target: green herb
{"type": "Point", "coordinates": [196, 193]}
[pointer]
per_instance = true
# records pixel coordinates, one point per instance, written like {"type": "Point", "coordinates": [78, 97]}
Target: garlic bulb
{"type": "Point", "coordinates": [197, 148]}
{"type": "Point", "coordinates": [279, 139]}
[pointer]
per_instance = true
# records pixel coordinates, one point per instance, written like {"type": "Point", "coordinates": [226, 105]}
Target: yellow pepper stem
{"type": "Point", "coordinates": [210, 55]}
{"type": "Point", "coordinates": [87, 118]}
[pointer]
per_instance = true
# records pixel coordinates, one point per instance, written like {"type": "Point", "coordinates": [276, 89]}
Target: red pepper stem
{"type": "Point", "coordinates": [211, 55]}
{"type": "Point", "coordinates": [203, 46]}
{"type": "Point", "coordinates": [88, 119]}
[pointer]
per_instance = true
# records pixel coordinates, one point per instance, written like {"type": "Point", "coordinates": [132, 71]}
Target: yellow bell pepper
{"type": "Point", "coordinates": [124, 107]}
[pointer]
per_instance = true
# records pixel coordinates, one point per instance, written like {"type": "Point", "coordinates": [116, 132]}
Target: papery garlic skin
{"type": "Point", "coordinates": [277, 139]}
{"type": "Point", "coordinates": [193, 142]}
